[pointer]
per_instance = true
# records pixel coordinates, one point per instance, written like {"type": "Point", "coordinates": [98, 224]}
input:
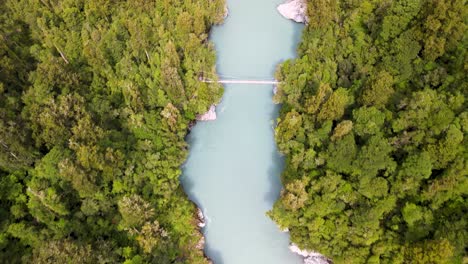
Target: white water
{"type": "Point", "coordinates": [233, 169]}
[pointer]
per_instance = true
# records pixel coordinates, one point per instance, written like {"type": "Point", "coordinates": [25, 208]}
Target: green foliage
{"type": "Point", "coordinates": [378, 90]}
{"type": "Point", "coordinates": [95, 101]}
{"type": "Point", "coordinates": [374, 129]}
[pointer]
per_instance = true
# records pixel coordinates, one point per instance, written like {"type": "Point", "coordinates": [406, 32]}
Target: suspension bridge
{"type": "Point", "coordinates": [225, 79]}
{"type": "Point", "coordinates": [242, 81]}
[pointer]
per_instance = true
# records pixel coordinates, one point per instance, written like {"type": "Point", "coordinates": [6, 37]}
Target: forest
{"type": "Point", "coordinates": [96, 97]}
{"type": "Point", "coordinates": [374, 128]}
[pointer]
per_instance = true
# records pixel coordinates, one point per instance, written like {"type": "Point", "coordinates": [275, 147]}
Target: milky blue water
{"type": "Point", "coordinates": [233, 170]}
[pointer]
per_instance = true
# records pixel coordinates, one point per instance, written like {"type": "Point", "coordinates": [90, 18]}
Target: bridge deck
{"type": "Point", "coordinates": [243, 81]}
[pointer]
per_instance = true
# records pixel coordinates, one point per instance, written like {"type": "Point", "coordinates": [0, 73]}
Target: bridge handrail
{"type": "Point", "coordinates": [241, 81]}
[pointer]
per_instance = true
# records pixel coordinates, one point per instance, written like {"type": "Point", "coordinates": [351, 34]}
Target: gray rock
{"type": "Point", "coordinates": [208, 116]}
{"type": "Point", "coordinates": [310, 257]}
{"type": "Point", "coordinates": [226, 11]}
{"type": "Point", "coordinates": [201, 218]}
{"type": "Point", "coordinates": [295, 10]}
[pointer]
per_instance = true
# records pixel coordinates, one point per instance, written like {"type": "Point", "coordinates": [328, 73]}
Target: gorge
{"type": "Point", "coordinates": [233, 169]}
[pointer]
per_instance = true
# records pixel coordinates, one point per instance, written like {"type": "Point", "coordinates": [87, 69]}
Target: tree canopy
{"type": "Point", "coordinates": [374, 129]}
{"type": "Point", "coordinates": [96, 98]}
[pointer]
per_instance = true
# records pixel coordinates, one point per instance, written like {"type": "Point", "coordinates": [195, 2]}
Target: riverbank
{"type": "Point", "coordinates": [200, 223]}
{"type": "Point", "coordinates": [296, 10]}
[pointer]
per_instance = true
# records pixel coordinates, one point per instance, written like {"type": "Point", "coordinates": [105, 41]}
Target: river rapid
{"type": "Point", "coordinates": [233, 169]}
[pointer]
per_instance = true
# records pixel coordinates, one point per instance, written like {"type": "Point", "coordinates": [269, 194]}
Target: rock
{"type": "Point", "coordinates": [201, 243]}
{"type": "Point", "coordinates": [295, 10]}
{"type": "Point", "coordinates": [201, 218]}
{"type": "Point", "coordinates": [310, 257]}
{"type": "Point", "coordinates": [275, 89]}
{"type": "Point", "coordinates": [208, 116]}
{"type": "Point", "coordinates": [226, 11]}
{"type": "Point", "coordinates": [284, 230]}
{"type": "Point", "coordinates": [315, 260]}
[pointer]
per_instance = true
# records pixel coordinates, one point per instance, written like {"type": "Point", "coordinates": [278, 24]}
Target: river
{"type": "Point", "coordinates": [233, 169]}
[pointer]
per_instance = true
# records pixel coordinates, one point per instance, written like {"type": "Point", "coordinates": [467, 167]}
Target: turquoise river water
{"type": "Point", "coordinates": [233, 170]}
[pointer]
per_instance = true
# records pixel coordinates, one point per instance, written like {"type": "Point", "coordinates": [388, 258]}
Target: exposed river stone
{"type": "Point", "coordinates": [226, 11]}
{"type": "Point", "coordinates": [201, 218]}
{"type": "Point", "coordinates": [310, 257]}
{"type": "Point", "coordinates": [208, 116]}
{"type": "Point", "coordinates": [295, 10]}
{"type": "Point", "coordinates": [201, 243]}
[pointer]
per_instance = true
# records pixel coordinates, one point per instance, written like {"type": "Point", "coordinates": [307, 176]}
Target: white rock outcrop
{"type": "Point", "coordinates": [201, 218]}
{"type": "Point", "coordinates": [208, 116]}
{"type": "Point", "coordinates": [310, 257]}
{"type": "Point", "coordinates": [226, 11]}
{"type": "Point", "coordinates": [295, 10]}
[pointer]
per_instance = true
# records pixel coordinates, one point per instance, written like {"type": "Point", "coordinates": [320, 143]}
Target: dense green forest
{"type": "Point", "coordinates": [96, 97]}
{"type": "Point", "coordinates": [374, 127]}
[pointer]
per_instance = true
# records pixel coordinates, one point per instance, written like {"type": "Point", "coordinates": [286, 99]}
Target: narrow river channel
{"type": "Point", "coordinates": [233, 170]}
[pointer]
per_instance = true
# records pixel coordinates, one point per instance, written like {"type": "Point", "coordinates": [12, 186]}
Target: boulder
{"type": "Point", "coordinates": [226, 11]}
{"type": "Point", "coordinates": [201, 218]}
{"type": "Point", "coordinates": [295, 10]}
{"type": "Point", "coordinates": [208, 116]}
{"type": "Point", "coordinates": [310, 257]}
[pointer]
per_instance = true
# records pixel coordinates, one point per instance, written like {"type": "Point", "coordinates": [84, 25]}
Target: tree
{"type": "Point", "coordinates": [379, 90]}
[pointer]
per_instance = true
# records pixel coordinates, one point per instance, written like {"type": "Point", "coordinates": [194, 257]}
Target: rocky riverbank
{"type": "Point", "coordinates": [210, 115]}
{"type": "Point", "coordinates": [226, 11]}
{"type": "Point", "coordinates": [201, 242]}
{"type": "Point", "coordinates": [295, 10]}
{"type": "Point", "coordinates": [310, 257]}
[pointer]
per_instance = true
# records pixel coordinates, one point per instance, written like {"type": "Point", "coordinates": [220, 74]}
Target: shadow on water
{"type": "Point", "coordinates": [214, 254]}
{"type": "Point", "coordinates": [277, 165]}
{"type": "Point", "coordinates": [186, 180]}
{"type": "Point", "coordinates": [188, 184]}
{"type": "Point", "coordinates": [274, 177]}
{"type": "Point", "coordinates": [294, 49]}
{"type": "Point", "coordinates": [274, 67]}
{"type": "Point", "coordinates": [296, 35]}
